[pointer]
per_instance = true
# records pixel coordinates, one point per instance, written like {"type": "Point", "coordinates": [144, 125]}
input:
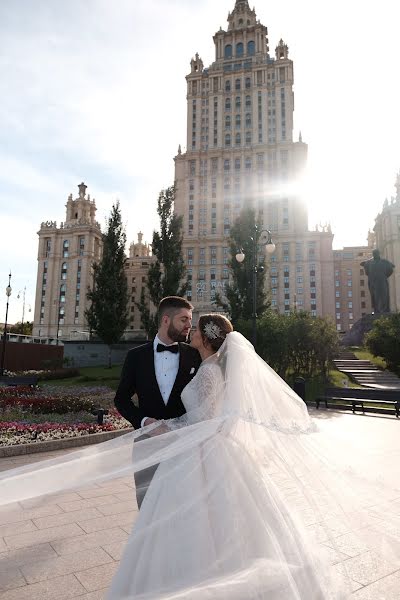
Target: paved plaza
{"type": "Point", "coordinates": [69, 545]}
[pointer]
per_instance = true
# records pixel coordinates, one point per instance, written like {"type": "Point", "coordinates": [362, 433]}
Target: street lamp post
{"type": "Point", "coordinates": [255, 268]}
{"type": "Point", "coordinates": [23, 292]}
{"type": "Point", "coordinates": [3, 355]}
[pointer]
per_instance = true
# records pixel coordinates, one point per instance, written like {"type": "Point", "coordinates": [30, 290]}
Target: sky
{"type": "Point", "coordinates": [95, 91]}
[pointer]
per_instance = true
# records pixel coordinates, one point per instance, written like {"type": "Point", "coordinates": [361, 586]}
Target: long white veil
{"type": "Point", "coordinates": [251, 480]}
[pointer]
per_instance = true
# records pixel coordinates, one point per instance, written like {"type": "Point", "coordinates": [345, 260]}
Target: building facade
{"type": "Point", "coordinates": [240, 153]}
{"type": "Point", "coordinates": [65, 258]}
{"type": "Point", "coordinates": [387, 231]}
{"type": "Point", "coordinates": [137, 266]}
{"type": "Point", "coordinates": [352, 297]}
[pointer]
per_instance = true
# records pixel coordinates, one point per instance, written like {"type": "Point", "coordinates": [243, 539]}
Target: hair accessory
{"type": "Point", "coordinates": [212, 330]}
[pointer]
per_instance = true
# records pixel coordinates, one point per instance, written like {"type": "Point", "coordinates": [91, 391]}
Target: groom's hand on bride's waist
{"type": "Point", "coordinates": [148, 421]}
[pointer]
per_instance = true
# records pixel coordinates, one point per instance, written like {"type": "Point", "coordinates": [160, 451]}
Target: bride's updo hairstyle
{"type": "Point", "coordinates": [214, 328]}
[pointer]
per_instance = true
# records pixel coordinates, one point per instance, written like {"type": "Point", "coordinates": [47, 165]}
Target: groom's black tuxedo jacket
{"type": "Point", "coordinates": [139, 377]}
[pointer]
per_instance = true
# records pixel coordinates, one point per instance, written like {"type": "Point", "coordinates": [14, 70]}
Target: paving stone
{"type": "Point", "coordinates": [11, 579]}
{"type": "Point", "coordinates": [60, 588]}
{"type": "Point", "coordinates": [16, 515]}
{"type": "Point", "coordinates": [108, 522]}
{"type": "Point", "coordinates": [88, 503]}
{"type": "Point", "coordinates": [368, 567]}
{"type": "Point", "coordinates": [91, 540]}
{"type": "Point", "coordinates": [43, 535]}
{"type": "Point", "coordinates": [97, 578]}
{"type": "Point", "coordinates": [67, 517]}
{"type": "Point", "coordinates": [387, 588]}
{"type": "Point", "coordinates": [118, 507]}
{"type": "Point", "coordinates": [14, 528]}
{"type": "Point", "coordinates": [115, 550]}
{"type": "Point", "coordinates": [17, 558]}
{"type": "Point", "coordinates": [97, 595]}
{"type": "Point", "coordinates": [126, 496]}
{"type": "Point", "coordinates": [64, 565]}
{"type": "Point", "coordinates": [103, 491]}
{"type": "Point", "coordinates": [49, 500]}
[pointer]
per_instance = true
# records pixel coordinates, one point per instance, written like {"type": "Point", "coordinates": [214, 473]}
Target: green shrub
{"type": "Point", "coordinates": [384, 340]}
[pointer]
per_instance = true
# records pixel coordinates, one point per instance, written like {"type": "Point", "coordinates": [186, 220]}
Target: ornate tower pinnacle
{"type": "Point", "coordinates": [397, 186]}
{"type": "Point", "coordinates": [241, 16]}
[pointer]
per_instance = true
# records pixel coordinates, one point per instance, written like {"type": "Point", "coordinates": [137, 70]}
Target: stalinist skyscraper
{"type": "Point", "coordinates": [240, 152]}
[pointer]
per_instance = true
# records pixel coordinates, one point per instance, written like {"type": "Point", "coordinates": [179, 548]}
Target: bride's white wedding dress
{"type": "Point", "coordinates": [249, 496]}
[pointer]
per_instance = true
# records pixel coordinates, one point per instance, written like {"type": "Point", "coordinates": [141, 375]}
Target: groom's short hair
{"type": "Point", "coordinates": [171, 305]}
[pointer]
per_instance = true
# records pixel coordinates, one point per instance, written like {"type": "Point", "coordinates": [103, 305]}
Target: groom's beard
{"type": "Point", "coordinates": [176, 335]}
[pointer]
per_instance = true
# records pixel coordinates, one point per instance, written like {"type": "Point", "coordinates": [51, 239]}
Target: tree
{"type": "Point", "coordinates": [24, 329]}
{"type": "Point", "coordinates": [384, 340]}
{"type": "Point", "coordinates": [239, 294]}
{"type": "Point", "coordinates": [165, 276]}
{"type": "Point", "coordinates": [108, 312]}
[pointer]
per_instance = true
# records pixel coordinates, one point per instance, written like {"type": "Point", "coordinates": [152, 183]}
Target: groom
{"type": "Point", "coordinates": [157, 372]}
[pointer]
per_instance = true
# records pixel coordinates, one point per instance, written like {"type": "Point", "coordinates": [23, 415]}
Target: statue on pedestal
{"type": "Point", "coordinates": [378, 271]}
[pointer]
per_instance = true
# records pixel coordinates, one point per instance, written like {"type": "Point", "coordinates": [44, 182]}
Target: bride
{"type": "Point", "coordinates": [249, 497]}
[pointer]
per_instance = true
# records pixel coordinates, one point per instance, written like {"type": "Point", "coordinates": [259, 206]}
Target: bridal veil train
{"type": "Point", "coordinates": [250, 496]}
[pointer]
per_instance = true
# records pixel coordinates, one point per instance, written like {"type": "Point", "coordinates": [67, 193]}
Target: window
{"type": "Point", "coordinates": [338, 316]}
{"type": "Point", "coordinates": [227, 165]}
{"type": "Point", "coordinates": [65, 249]}
{"type": "Point", "coordinates": [251, 48]}
{"type": "Point", "coordinates": [349, 294]}
{"type": "Point", "coordinates": [238, 140]}
{"type": "Point", "coordinates": [237, 84]}
{"type": "Point", "coordinates": [64, 269]}
{"type": "Point", "coordinates": [239, 50]}
{"type": "Point", "coordinates": [227, 122]}
{"type": "Point", "coordinates": [351, 316]}
{"type": "Point", "coordinates": [237, 104]}
{"type": "Point", "coordinates": [228, 104]}
{"type": "Point", "coordinates": [337, 294]}
{"type": "Point", "coordinates": [248, 101]}
{"type": "Point", "coordinates": [248, 83]}
{"type": "Point", "coordinates": [228, 85]}
{"type": "Point", "coordinates": [337, 304]}
{"type": "Point", "coordinates": [227, 140]}
{"type": "Point", "coordinates": [350, 305]}
{"type": "Point", "coordinates": [337, 283]}
{"type": "Point", "coordinates": [228, 51]}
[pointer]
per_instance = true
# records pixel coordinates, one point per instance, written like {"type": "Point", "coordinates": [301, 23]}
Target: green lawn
{"type": "Point", "coordinates": [90, 376]}
{"type": "Point", "coordinates": [364, 354]}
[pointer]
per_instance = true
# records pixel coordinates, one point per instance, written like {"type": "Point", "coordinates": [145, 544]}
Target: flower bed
{"type": "Point", "coordinates": [32, 415]}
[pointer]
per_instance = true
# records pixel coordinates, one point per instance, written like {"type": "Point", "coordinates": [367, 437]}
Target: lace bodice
{"type": "Point", "coordinates": [200, 396]}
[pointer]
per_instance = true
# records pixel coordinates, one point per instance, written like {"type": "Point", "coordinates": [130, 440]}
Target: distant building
{"type": "Point", "coordinates": [240, 153]}
{"type": "Point", "coordinates": [65, 258]}
{"type": "Point", "coordinates": [137, 266]}
{"type": "Point", "coordinates": [352, 297]}
{"type": "Point", "coordinates": [387, 231]}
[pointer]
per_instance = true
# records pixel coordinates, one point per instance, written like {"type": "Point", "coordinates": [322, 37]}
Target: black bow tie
{"type": "Point", "coordinates": [174, 348]}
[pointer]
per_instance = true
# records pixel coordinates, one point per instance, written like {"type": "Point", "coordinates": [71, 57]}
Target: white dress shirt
{"type": "Point", "coordinates": [166, 366]}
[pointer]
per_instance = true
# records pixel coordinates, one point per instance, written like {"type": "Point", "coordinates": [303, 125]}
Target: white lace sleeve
{"type": "Point", "coordinates": [202, 394]}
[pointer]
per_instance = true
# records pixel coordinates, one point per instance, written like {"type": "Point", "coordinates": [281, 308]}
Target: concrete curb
{"type": "Point", "coordinates": [76, 442]}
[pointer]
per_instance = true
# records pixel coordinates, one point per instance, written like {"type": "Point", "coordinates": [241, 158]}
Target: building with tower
{"type": "Point", "coordinates": [65, 257]}
{"type": "Point", "coordinates": [387, 231]}
{"type": "Point", "coordinates": [240, 153]}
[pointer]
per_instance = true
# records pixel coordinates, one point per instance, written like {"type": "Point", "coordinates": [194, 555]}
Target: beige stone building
{"type": "Point", "coordinates": [240, 152]}
{"type": "Point", "coordinates": [387, 231]}
{"type": "Point", "coordinates": [352, 297]}
{"type": "Point", "coordinates": [65, 258]}
{"type": "Point", "coordinates": [137, 266]}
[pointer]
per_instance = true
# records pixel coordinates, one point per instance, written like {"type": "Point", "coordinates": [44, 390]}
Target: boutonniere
{"type": "Point", "coordinates": [192, 370]}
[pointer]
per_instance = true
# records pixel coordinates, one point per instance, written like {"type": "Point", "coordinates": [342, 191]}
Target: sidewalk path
{"type": "Point", "coordinates": [69, 545]}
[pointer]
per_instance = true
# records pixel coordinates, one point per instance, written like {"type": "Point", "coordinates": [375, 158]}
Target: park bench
{"type": "Point", "coordinates": [23, 380]}
{"type": "Point", "coordinates": [364, 399]}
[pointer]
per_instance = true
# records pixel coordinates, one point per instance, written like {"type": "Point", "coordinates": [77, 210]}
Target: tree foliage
{"type": "Point", "coordinates": [25, 328]}
{"type": "Point", "coordinates": [166, 275]}
{"type": "Point", "coordinates": [239, 294]}
{"type": "Point", "coordinates": [294, 345]}
{"type": "Point", "coordinates": [107, 315]}
{"type": "Point", "coordinates": [384, 340]}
